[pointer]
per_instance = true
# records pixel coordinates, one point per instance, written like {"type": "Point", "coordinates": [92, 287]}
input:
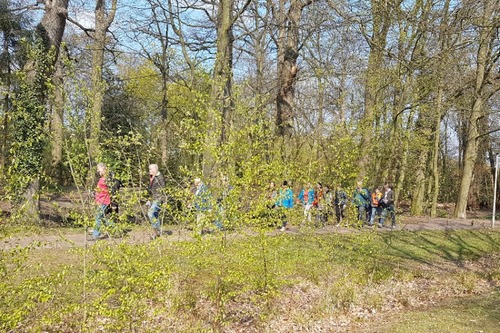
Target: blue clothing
{"type": "Point", "coordinates": [202, 199]}
{"type": "Point", "coordinates": [310, 196]}
{"type": "Point", "coordinates": [100, 217]}
{"type": "Point", "coordinates": [153, 214]}
{"type": "Point", "coordinates": [285, 198]}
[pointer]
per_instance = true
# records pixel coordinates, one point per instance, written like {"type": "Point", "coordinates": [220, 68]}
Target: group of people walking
{"type": "Point", "coordinates": [319, 202]}
{"type": "Point", "coordinates": [106, 186]}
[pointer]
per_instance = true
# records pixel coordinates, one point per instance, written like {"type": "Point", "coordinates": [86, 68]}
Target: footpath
{"type": "Point", "coordinates": [171, 234]}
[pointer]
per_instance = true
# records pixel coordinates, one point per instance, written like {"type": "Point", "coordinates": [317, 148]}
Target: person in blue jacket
{"type": "Point", "coordinates": [361, 198]}
{"type": "Point", "coordinates": [285, 201]}
{"type": "Point", "coordinates": [306, 198]}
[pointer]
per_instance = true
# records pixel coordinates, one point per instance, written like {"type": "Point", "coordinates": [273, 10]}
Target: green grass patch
{"type": "Point", "coordinates": [215, 283]}
{"type": "Point", "coordinates": [470, 314]}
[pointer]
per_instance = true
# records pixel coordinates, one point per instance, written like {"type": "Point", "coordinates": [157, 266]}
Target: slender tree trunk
{"type": "Point", "coordinates": [374, 73]}
{"type": "Point", "coordinates": [164, 123]}
{"type": "Point", "coordinates": [486, 42]}
{"type": "Point", "coordinates": [435, 152]}
{"type": "Point", "coordinates": [6, 108]}
{"type": "Point", "coordinates": [219, 115]}
{"type": "Point", "coordinates": [404, 157]}
{"type": "Point", "coordinates": [102, 24]}
{"type": "Point", "coordinates": [56, 124]}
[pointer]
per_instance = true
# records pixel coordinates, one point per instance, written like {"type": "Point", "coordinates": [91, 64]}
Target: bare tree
{"type": "Point", "coordinates": [485, 85]}
{"type": "Point", "coordinates": [103, 20]}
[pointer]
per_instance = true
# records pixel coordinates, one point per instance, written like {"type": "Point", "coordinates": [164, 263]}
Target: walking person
{"type": "Point", "coordinates": [156, 190]}
{"type": "Point", "coordinates": [388, 205]}
{"type": "Point", "coordinates": [306, 198]}
{"type": "Point", "coordinates": [361, 199]}
{"type": "Point", "coordinates": [329, 199]}
{"type": "Point", "coordinates": [340, 202]}
{"type": "Point", "coordinates": [376, 207]}
{"type": "Point", "coordinates": [284, 203]}
{"type": "Point", "coordinates": [102, 199]}
{"type": "Point", "coordinates": [202, 204]}
{"type": "Point", "coordinates": [318, 205]}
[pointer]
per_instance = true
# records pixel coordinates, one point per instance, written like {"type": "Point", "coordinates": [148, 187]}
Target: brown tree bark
{"type": "Point", "coordinates": [487, 29]}
{"type": "Point", "coordinates": [57, 121]}
{"type": "Point", "coordinates": [103, 21]}
{"type": "Point", "coordinates": [288, 52]}
{"type": "Point", "coordinates": [50, 30]}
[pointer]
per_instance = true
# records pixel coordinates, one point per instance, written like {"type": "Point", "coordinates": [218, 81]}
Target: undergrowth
{"type": "Point", "coordinates": [254, 283]}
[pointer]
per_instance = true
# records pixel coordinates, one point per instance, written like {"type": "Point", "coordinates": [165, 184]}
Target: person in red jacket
{"type": "Point", "coordinates": [102, 200]}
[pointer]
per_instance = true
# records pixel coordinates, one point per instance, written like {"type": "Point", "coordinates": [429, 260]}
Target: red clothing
{"type": "Point", "coordinates": [102, 196]}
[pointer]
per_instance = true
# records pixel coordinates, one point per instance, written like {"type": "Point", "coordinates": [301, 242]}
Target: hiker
{"type": "Point", "coordinates": [388, 206]}
{"type": "Point", "coordinates": [272, 195]}
{"type": "Point", "coordinates": [114, 186]}
{"type": "Point", "coordinates": [102, 200]}
{"type": "Point", "coordinates": [376, 207]}
{"type": "Point", "coordinates": [156, 190]}
{"type": "Point", "coordinates": [340, 202]}
{"type": "Point", "coordinates": [329, 199]}
{"type": "Point", "coordinates": [284, 202]}
{"type": "Point", "coordinates": [306, 199]}
{"type": "Point", "coordinates": [222, 202]}
{"type": "Point", "coordinates": [361, 199]}
{"type": "Point", "coordinates": [201, 203]}
{"type": "Point", "coordinates": [318, 205]}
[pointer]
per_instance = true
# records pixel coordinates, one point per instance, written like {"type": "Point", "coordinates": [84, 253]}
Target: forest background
{"type": "Point", "coordinates": [404, 92]}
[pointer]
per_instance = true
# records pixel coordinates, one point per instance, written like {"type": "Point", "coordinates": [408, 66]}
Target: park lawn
{"type": "Point", "coordinates": [468, 314]}
{"type": "Point", "coordinates": [280, 283]}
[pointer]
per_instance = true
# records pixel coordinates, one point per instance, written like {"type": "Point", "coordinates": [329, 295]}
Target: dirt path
{"type": "Point", "coordinates": [62, 240]}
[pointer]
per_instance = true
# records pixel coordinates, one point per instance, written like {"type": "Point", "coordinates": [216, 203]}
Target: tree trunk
{"type": "Point", "coordinates": [57, 121]}
{"type": "Point", "coordinates": [219, 113]}
{"type": "Point", "coordinates": [28, 164]}
{"type": "Point", "coordinates": [486, 43]}
{"type": "Point", "coordinates": [288, 53]}
{"type": "Point", "coordinates": [102, 24]}
{"type": "Point", "coordinates": [435, 152]}
{"type": "Point", "coordinates": [381, 23]}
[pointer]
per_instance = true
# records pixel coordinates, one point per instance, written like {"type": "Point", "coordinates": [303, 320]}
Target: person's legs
{"type": "Point", "coordinates": [153, 215]}
{"type": "Point", "coordinates": [392, 211]}
{"type": "Point", "coordinates": [382, 217]}
{"type": "Point", "coordinates": [372, 216]}
{"type": "Point", "coordinates": [99, 217]}
{"type": "Point", "coordinates": [362, 213]}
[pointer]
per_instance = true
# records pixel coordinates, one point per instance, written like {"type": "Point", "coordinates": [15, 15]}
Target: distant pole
{"type": "Point", "coordinates": [495, 192]}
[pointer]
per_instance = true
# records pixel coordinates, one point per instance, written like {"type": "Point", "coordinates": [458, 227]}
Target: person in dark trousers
{"type": "Point", "coordinates": [361, 199]}
{"type": "Point", "coordinates": [376, 207]}
{"type": "Point", "coordinates": [340, 202]}
{"type": "Point", "coordinates": [156, 191]}
{"type": "Point", "coordinates": [387, 203]}
{"type": "Point", "coordinates": [284, 203]}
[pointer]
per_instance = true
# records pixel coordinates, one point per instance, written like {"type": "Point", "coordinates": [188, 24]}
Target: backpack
{"type": "Point", "coordinates": [114, 186]}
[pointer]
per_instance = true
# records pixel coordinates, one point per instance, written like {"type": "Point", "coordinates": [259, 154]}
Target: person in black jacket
{"type": "Point", "coordinates": [387, 204]}
{"type": "Point", "coordinates": [156, 191]}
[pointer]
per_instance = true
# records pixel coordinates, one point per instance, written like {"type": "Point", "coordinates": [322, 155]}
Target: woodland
{"type": "Point", "coordinates": [383, 91]}
{"type": "Point", "coordinates": [245, 92]}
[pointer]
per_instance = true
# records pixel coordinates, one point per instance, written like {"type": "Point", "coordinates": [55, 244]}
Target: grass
{"type": "Point", "coordinates": [256, 283]}
{"type": "Point", "coordinates": [469, 314]}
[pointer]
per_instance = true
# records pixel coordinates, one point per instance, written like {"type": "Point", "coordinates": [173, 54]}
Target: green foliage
{"type": "Point", "coordinates": [211, 283]}
{"type": "Point", "coordinates": [29, 137]}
